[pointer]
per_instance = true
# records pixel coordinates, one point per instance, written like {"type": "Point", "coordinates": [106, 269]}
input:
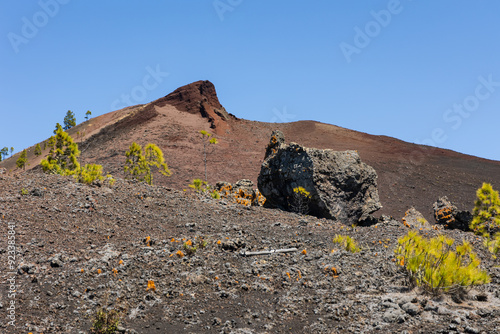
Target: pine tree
{"type": "Point", "coordinates": [88, 114]}
{"type": "Point", "coordinates": [138, 164]}
{"type": "Point", "coordinates": [134, 164]}
{"type": "Point", "coordinates": [207, 143]}
{"type": "Point", "coordinates": [3, 153]}
{"type": "Point", "coordinates": [11, 151]}
{"type": "Point", "coordinates": [63, 155]}
{"type": "Point", "coordinates": [22, 160]}
{"type": "Point", "coordinates": [57, 127]}
{"type": "Point", "coordinates": [486, 211]}
{"type": "Point", "coordinates": [69, 120]}
{"type": "Point", "coordinates": [51, 143]}
{"type": "Point", "coordinates": [38, 150]}
{"type": "Point", "coordinates": [153, 157]}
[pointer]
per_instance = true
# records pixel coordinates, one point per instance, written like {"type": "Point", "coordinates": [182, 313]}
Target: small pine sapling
{"type": "Point", "coordinates": [348, 243]}
{"type": "Point", "coordinates": [486, 214]}
{"type": "Point", "coordinates": [153, 157]}
{"type": "Point", "coordinates": [300, 200]}
{"type": "Point", "coordinates": [22, 160]}
{"type": "Point", "coordinates": [105, 322]}
{"type": "Point", "coordinates": [38, 150]}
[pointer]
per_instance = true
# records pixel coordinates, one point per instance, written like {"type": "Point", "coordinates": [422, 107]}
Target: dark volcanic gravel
{"type": "Point", "coordinates": [79, 248]}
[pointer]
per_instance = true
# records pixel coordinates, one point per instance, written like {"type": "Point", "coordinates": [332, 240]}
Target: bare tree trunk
{"type": "Point", "coordinates": [205, 160]}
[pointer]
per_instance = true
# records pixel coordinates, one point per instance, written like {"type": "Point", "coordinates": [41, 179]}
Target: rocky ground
{"type": "Point", "coordinates": [79, 248]}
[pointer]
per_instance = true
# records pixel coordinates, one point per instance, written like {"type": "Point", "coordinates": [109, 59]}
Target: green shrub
{"type": "Point", "coordinates": [433, 265]}
{"type": "Point", "coordinates": [189, 248]}
{"type": "Point", "coordinates": [347, 242]}
{"type": "Point", "coordinates": [110, 179]}
{"type": "Point", "coordinates": [105, 322]}
{"type": "Point", "coordinates": [199, 185]}
{"type": "Point", "coordinates": [486, 211]}
{"type": "Point", "coordinates": [89, 173]}
{"type": "Point", "coordinates": [493, 244]}
{"type": "Point", "coordinates": [24, 192]}
{"type": "Point", "coordinates": [202, 243]}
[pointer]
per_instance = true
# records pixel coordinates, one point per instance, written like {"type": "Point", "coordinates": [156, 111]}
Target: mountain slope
{"type": "Point", "coordinates": [409, 174]}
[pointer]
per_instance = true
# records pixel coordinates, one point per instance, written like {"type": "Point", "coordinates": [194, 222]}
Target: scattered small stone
{"type": "Point", "coordinates": [394, 315]}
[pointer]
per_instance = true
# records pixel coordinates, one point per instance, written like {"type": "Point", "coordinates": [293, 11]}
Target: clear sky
{"type": "Point", "coordinates": [422, 71]}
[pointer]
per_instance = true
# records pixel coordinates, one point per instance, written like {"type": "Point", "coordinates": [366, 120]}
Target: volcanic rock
{"type": "Point", "coordinates": [448, 214]}
{"type": "Point", "coordinates": [198, 97]}
{"type": "Point", "coordinates": [414, 219]}
{"type": "Point", "coordinates": [340, 185]}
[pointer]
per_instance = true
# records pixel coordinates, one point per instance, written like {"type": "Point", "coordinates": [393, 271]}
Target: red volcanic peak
{"type": "Point", "coordinates": [198, 97]}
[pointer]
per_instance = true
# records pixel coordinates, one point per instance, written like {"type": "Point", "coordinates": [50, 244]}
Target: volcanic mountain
{"type": "Point", "coordinates": [408, 174]}
{"type": "Point", "coordinates": [161, 260]}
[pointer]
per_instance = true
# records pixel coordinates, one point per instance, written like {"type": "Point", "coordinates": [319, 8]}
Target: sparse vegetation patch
{"type": "Point", "coordinates": [435, 266]}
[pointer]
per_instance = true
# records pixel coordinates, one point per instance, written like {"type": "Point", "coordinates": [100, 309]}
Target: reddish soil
{"type": "Point", "coordinates": [409, 174]}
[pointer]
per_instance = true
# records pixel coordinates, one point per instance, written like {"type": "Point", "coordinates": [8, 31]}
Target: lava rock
{"type": "Point", "coordinates": [411, 309]}
{"type": "Point", "coordinates": [449, 216]}
{"type": "Point", "coordinates": [414, 219]}
{"type": "Point", "coordinates": [56, 261]}
{"type": "Point", "coordinates": [36, 192]}
{"type": "Point", "coordinates": [394, 315]}
{"type": "Point", "coordinates": [340, 185]}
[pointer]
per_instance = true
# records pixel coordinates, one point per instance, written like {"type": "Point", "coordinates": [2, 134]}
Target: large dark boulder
{"type": "Point", "coordinates": [341, 186]}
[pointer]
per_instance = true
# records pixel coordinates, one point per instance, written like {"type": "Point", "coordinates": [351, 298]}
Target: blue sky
{"type": "Point", "coordinates": [421, 71]}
